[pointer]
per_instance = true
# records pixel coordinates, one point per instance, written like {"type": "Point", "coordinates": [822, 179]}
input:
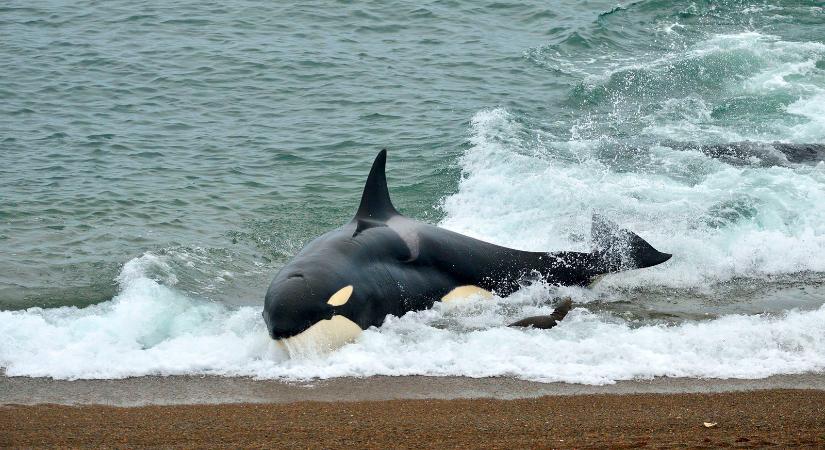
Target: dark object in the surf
{"type": "Point", "coordinates": [547, 322]}
{"type": "Point", "coordinates": [764, 154]}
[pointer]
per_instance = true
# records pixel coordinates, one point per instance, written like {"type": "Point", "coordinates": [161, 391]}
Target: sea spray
{"type": "Point", "coordinates": [151, 329]}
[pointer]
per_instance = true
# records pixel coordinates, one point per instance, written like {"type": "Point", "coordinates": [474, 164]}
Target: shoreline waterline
{"type": "Point", "coordinates": [183, 390]}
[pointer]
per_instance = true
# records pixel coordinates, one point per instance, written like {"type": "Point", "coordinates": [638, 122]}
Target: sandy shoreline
{"type": "Point", "coordinates": [411, 412]}
{"type": "Point", "coordinates": [218, 390]}
{"type": "Point", "coordinates": [763, 418]}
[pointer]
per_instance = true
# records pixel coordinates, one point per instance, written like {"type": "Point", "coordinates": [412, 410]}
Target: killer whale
{"type": "Point", "coordinates": [382, 263]}
{"type": "Point", "coordinates": [762, 154]}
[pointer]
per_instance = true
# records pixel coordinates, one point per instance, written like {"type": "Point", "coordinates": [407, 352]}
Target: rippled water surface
{"type": "Point", "coordinates": [161, 162]}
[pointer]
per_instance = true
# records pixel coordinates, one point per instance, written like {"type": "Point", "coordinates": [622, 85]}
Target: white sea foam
{"type": "Point", "coordinates": [721, 222]}
{"type": "Point", "coordinates": [150, 329]}
{"type": "Point", "coordinates": [757, 64]}
{"type": "Point", "coordinates": [813, 110]}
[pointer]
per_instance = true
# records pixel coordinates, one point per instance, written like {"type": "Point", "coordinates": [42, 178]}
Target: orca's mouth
{"type": "Point", "coordinates": [279, 335]}
{"type": "Point", "coordinates": [286, 329]}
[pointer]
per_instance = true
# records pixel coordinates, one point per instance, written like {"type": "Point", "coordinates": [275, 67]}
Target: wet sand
{"type": "Point", "coordinates": [780, 418]}
{"type": "Point", "coordinates": [175, 390]}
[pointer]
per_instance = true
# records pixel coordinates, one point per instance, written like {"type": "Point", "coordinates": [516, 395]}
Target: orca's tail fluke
{"type": "Point", "coordinates": [619, 249]}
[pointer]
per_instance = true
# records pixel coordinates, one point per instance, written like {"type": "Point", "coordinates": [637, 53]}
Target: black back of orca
{"type": "Point", "coordinates": [382, 263]}
{"type": "Point", "coordinates": [764, 154]}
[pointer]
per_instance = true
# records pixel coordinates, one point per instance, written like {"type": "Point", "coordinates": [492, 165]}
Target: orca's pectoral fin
{"type": "Point", "coordinates": [547, 322]}
{"type": "Point", "coordinates": [619, 249]}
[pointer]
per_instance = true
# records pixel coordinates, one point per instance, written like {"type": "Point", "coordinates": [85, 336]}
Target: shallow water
{"type": "Point", "coordinates": [162, 163]}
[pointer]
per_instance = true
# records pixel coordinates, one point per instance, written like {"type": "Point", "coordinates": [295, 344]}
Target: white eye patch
{"type": "Point", "coordinates": [340, 297]}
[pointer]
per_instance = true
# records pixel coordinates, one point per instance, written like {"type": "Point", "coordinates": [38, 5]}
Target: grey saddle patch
{"type": "Point", "coordinates": [407, 230]}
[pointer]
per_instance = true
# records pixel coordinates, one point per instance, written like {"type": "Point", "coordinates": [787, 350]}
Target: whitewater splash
{"type": "Point", "coordinates": [534, 187]}
{"type": "Point", "coordinates": [720, 222]}
{"type": "Point", "coordinates": [152, 329]}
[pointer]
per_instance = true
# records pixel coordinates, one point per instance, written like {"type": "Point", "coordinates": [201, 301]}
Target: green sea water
{"type": "Point", "coordinates": [230, 133]}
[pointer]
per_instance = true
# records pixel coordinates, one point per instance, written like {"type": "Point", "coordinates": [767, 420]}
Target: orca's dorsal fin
{"type": "Point", "coordinates": [375, 201]}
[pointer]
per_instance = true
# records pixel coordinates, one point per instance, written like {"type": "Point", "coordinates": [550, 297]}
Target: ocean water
{"type": "Point", "coordinates": [161, 163]}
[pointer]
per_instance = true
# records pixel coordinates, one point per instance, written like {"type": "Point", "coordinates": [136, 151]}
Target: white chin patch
{"type": "Point", "coordinates": [323, 337]}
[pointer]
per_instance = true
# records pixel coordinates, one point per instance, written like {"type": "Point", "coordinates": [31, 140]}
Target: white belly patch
{"type": "Point", "coordinates": [323, 337]}
{"type": "Point", "coordinates": [466, 291]}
